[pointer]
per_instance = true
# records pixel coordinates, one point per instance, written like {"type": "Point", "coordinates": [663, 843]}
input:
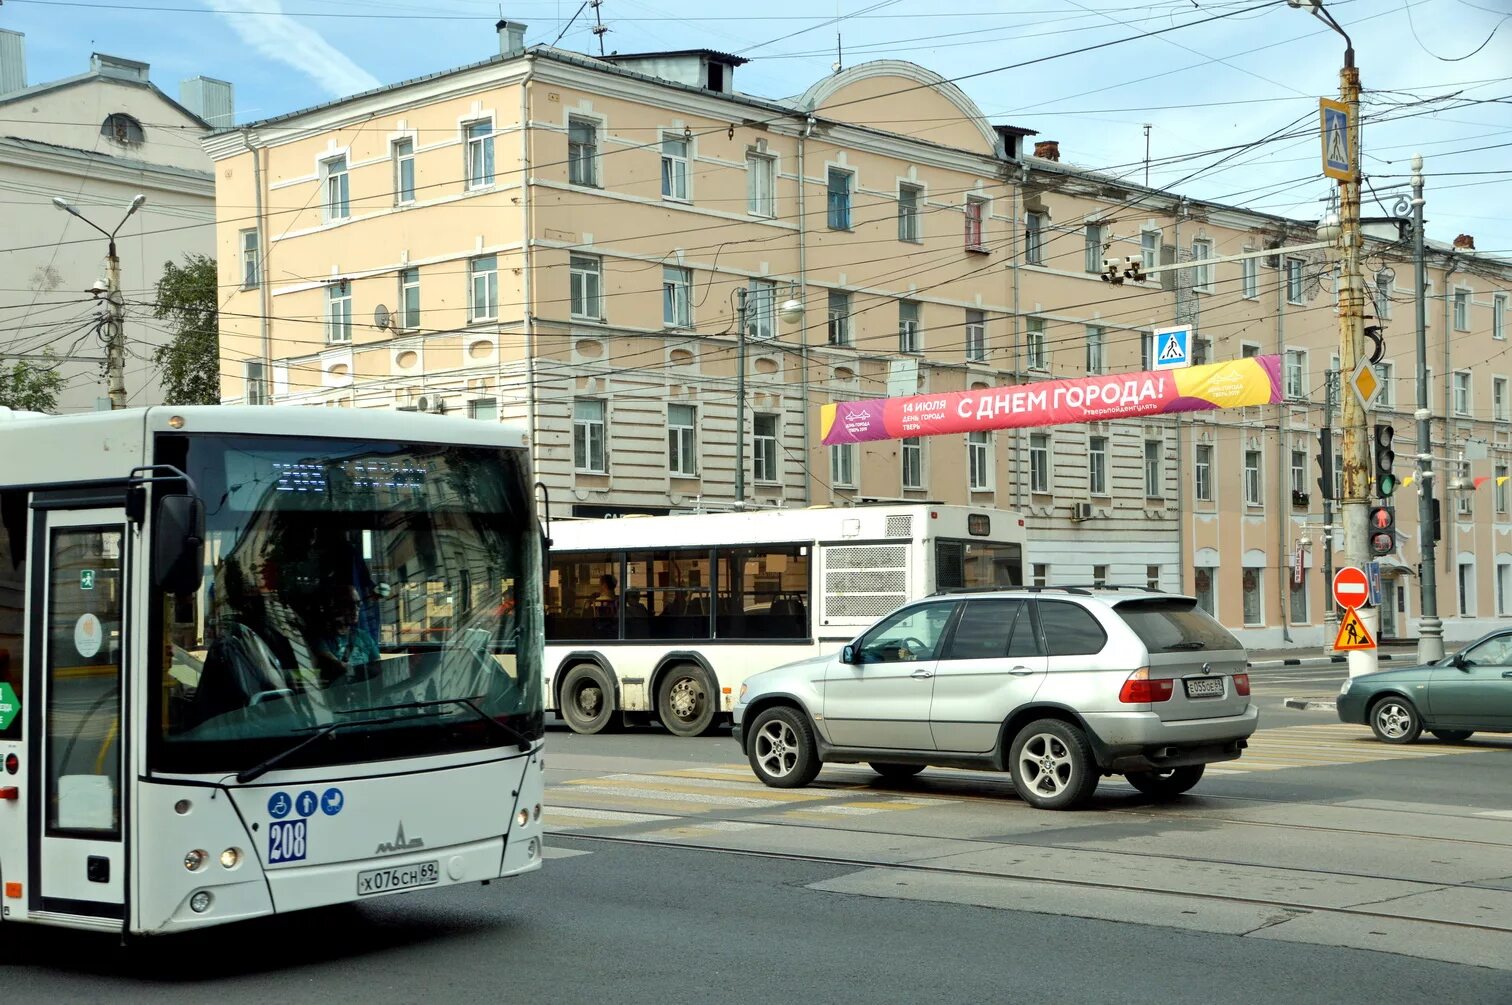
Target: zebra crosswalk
{"type": "Point", "coordinates": [1337, 744]}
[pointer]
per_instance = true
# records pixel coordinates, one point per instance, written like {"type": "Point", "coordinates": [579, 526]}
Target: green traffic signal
{"type": "Point", "coordinates": [1380, 442]}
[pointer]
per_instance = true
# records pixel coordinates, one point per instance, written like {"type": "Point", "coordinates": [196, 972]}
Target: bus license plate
{"type": "Point", "coordinates": [405, 877]}
{"type": "Point", "coordinates": [1205, 687]}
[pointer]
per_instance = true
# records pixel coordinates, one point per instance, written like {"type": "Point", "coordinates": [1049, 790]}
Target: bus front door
{"type": "Point", "coordinates": [77, 628]}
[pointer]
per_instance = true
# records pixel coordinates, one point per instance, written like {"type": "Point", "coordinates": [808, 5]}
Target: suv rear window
{"type": "Point", "coordinates": [1070, 630]}
{"type": "Point", "coordinates": [1173, 625]}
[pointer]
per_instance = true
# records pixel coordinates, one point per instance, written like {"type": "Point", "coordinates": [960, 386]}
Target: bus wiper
{"type": "Point", "coordinates": [518, 738]}
{"type": "Point", "coordinates": [1188, 646]}
{"type": "Point", "coordinates": [257, 771]}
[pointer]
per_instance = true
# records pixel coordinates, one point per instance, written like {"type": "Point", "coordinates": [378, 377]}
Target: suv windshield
{"type": "Point", "coordinates": [1173, 624]}
{"type": "Point", "coordinates": [343, 577]}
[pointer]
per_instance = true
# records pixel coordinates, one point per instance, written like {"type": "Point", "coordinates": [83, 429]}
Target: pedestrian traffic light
{"type": "Point", "coordinates": [1325, 463]}
{"type": "Point", "coordinates": [1382, 530]}
{"type": "Point", "coordinates": [1386, 482]}
{"type": "Point", "coordinates": [1438, 525]}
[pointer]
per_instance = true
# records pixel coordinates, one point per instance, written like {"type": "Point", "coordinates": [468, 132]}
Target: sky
{"type": "Point", "coordinates": [1437, 73]}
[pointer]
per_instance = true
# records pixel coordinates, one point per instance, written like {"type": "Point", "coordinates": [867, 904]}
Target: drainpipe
{"type": "Point", "coordinates": [527, 291]}
{"type": "Point", "coordinates": [1013, 269]}
{"type": "Point", "coordinates": [803, 357]}
{"type": "Point", "coordinates": [1181, 560]}
{"type": "Point", "coordinates": [1449, 555]}
{"type": "Point", "coordinates": [1283, 460]}
{"type": "Point", "coordinates": [265, 306]}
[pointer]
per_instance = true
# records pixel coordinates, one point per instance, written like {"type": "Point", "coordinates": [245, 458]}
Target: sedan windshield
{"type": "Point", "coordinates": [344, 577]}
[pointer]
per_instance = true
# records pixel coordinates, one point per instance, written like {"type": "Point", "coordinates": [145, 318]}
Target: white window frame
{"type": "Point", "coordinates": [1465, 589]}
{"type": "Point", "coordinates": [1387, 371]}
{"type": "Point", "coordinates": [839, 323]}
{"type": "Point", "coordinates": [1383, 296]}
{"type": "Point", "coordinates": [761, 309]}
{"type": "Point", "coordinates": [1034, 238]}
{"type": "Point", "coordinates": [1295, 370]}
{"type": "Point", "coordinates": [1249, 277]}
{"type": "Point", "coordinates": [764, 460]}
{"type": "Point", "coordinates": [402, 151]}
{"type": "Point", "coordinates": [1259, 594]}
{"type": "Point", "coordinates": [1463, 392]}
{"type": "Point", "coordinates": [911, 454]}
{"type": "Point", "coordinates": [1499, 489]}
{"type": "Point", "coordinates": [1035, 356]}
{"type": "Point", "coordinates": [251, 260]}
{"type": "Point", "coordinates": [338, 318]}
{"type": "Point", "coordinates": [1499, 400]}
{"type": "Point", "coordinates": [909, 337]}
{"type": "Point", "coordinates": [1096, 349]}
{"type": "Point", "coordinates": [586, 293]}
{"type": "Point", "coordinates": [976, 211]}
{"type": "Point", "coordinates": [843, 465]}
{"type": "Point", "coordinates": [1298, 470]}
{"type": "Point", "coordinates": [761, 185]}
{"type": "Point", "coordinates": [910, 203]}
{"type": "Point", "coordinates": [1097, 465]}
{"type": "Point", "coordinates": [677, 297]}
{"type": "Point", "coordinates": [1149, 248]}
{"type": "Point", "coordinates": [837, 203]}
{"type": "Point", "coordinates": [976, 336]}
{"type": "Point", "coordinates": [254, 382]}
{"type": "Point", "coordinates": [1039, 462]}
{"type": "Point", "coordinates": [483, 288]}
{"type": "Point", "coordinates": [1092, 240]}
{"type": "Point", "coordinates": [1499, 317]}
{"type": "Point", "coordinates": [1503, 588]}
{"type": "Point", "coordinates": [682, 440]}
{"type": "Point", "coordinates": [335, 181]}
{"type": "Point", "coordinates": [1296, 286]}
{"type": "Point", "coordinates": [676, 155]}
{"type": "Point", "coordinates": [1202, 278]}
{"type": "Point", "coordinates": [1461, 309]}
{"type": "Point", "coordinates": [480, 153]}
{"type": "Point", "coordinates": [1154, 475]}
{"type": "Point", "coordinates": [1254, 477]}
{"type": "Point", "coordinates": [1202, 464]}
{"type": "Point", "coordinates": [979, 461]}
{"type": "Point", "coordinates": [582, 158]}
{"type": "Point", "coordinates": [409, 287]}
{"type": "Point", "coordinates": [485, 409]}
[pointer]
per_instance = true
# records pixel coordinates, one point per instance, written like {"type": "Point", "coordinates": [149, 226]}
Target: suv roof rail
{"type": "Point", "coordinates": [1115, 586]}
{"type": "Point", "coordinates": [1081, 590]}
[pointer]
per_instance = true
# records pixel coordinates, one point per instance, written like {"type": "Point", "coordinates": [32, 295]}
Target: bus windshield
{"type": "Point", "coordinates": [378, 588]}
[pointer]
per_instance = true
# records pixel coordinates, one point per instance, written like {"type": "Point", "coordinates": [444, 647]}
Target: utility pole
{"type": "Point", "coordinates": [115, 320]}
{"type": "Point", "coordinates": [1332, 388]}
{"type": "Point", "coordinates": [1430, 628]}
{"type": "Point", "coordinates": [740, 396]}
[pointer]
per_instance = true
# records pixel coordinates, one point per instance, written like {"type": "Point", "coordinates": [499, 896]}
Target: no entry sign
{"type": "Point", "coordinates": [1351, 587]}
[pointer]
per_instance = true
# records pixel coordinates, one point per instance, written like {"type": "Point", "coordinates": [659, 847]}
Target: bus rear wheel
{"type": "Point", "coordinates": [687, 701]}
{"type": "Point", "coordinates": [587, 699]}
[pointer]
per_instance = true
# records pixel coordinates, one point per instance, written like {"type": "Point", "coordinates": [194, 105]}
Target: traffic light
{"type": "Point", "coordinates": [1438, 525]}
{"type": "Point", "coordinates": [1382, 530]}
{"type": "Point", "coordinates": [1386, 482]}
{"type": "Point", "coordinates": [1325, 463]}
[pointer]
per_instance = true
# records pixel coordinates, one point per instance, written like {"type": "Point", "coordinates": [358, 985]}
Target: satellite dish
{"type": "Point", "coordinates": [381, 317]}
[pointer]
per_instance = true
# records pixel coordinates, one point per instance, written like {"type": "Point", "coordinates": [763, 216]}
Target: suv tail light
{"type": "Point", "coordinates": [1241, 684]}
{"type": "Point", "coordinates": [1140, 689]}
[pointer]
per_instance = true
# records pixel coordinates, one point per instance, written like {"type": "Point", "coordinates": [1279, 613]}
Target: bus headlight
{"type": "Point", "coordinates": [230, 858]}
{"type": "Point", "coordinates": [522, 818]}
{"type": "Point", "coordinates": [201, 901]}
{"type": "Point", "coordinates": [195, 860]}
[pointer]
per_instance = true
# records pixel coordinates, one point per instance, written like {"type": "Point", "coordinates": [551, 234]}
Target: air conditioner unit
{"type": "Point", "coordinates": [1081, 511]}
{"type": "Point", "coordinates": [425, 403]}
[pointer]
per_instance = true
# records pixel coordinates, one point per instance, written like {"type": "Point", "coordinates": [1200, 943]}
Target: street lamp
{"type": "Point", "coordinates": [115, 354]}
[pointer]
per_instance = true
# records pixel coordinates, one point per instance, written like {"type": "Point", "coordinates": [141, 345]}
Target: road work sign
{"type": "Point", "coordinates": [1353, 635]}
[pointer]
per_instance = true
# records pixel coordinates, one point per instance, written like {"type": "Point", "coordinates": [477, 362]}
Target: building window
{"type": "Point", "coordinates": [909, 197]}
{"type": "Point", "coordinates": [1461, 310]}
{"type": "Point", "coordinates": [761, 174]}
{"type": "Point", "coordinates": [1203, 475]}
{"type": "Point", "coordinates": [1040, 574]}
{"type": "Point", "coordinates": [677, 299]}
{"type": "Point", "coordinates": [123, 129]}
{"type": "Point", "coordinates": [1254, 600]}
{"type": "Point", "coordinates": [1039, 462]}
{"type": "Point", "coordinates": [404, 171]}
{"type": "Point", "coordinates": [839, 199]}
{"type": "Point", "coordinates": [1334, 385]}
{"type": "Point", "coordinates": [1296, 373]}
{"type": "Point", "coordinates": [1147, 351]}
{"type": "Point", "coordinates": [1298, 471]}
{"type": "Point", "coordinates": [682, 440]}
{"type": "Point", "coordinates": [1298, 604]}
{"type": "Point", "coordinates": [249, 259]}
{"type": "Point", "coordinates": [1462, 503]}
{"type": "Point", "coordinates": [1097, 465]}
{"type": "Point", "coordinates": [1499, 316]}
{"type": "Point", "coordinates": [1202, 583]}
{"type": "Point", "coordinates": [1094, 349]}
{"type": "Point", "coordinates": [337, 206]}
{"type": "Point", "coordinates": [582, 152]}
{"type": "Point", "coordinates": [1099, 575]}
{"type": "Point", "coordinates": [254, 384]}
{"type": "Point", "coordinates": [1503, 587]}
{"type": "Point", "coordinates": [764, 447]}
{"type": "Point", "coordinates": [1248, 350]}
{"type": "Point", "coordinates": [1152, 576]}
{"type": "Point", "coordinates": [1466, 589]}
{"type": "Point", "coordinates": [761, 309]}
{"type": "Point", "coordinates": [976, 336]}
{"type": "Point", "coordinates": [587, 279]}
{"type": "Point", "coordinates": [486, 409]}
{"type": "Point", "coordinates": [1202, 350]}
{"type": "Point", "coordinates": [913, 462]}
{"type": "Point", "coordinates": [1462, 392]}
{"type": "Point", "coordinates": [1383, 296]}
{"type": "Point", "coordinates": [1499, 489]}
{"type": "Point", "coordinates": [1499, 399]}
{"type": "Point", "coordinates": [1202, 275]}
{"type": "Point", "coordinates": [1294, 280]}
{"type": "Point", "coordinates": [483, 299]}
{"type": "Point", "coordinates": [674, 167]}
{"type": "Point", "coordinates": [1094, 247]}
{"type": "Point", "coordinates": [1034, 238]}
{"type": "Point", "coordinates": [976, 215]}
{"type": "Point", "coordinates": [839, 318]}
{"type": "Point", "coordinates": [1249, 274]}
{"type": "Point", "coordinates": [1338, 473]}
{"type": "Point", "coordinates": [480, 154]}
{"type": "Point", "coordinates": [843, 465]}
{"type": "Point", "coordinates": [979, 460]}
{"type": "Point", "coordinates": [1149, 249]}
{"type": "Point", "coordinates": [1252, 495]}
{"type": "Point", "coordinates": [1387, 370]}
{"type": "Point", "coordinates": [1034, 344]}
{"type": "Point", "coordinates": [339, 312]}
{"type": "Point", "coordinates": [409, 299]}
{"type": "Point", "coordinates": [908, 326]}
{"type": "Point", "coordinates": [1154, 481]}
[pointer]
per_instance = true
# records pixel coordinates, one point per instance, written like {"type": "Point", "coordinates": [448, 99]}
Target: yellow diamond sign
{"type": "Point", "coordinates": [1366, 383]}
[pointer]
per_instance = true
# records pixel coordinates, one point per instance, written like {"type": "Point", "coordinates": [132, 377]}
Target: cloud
{"type": "Point", "coordinates": [275, 35]}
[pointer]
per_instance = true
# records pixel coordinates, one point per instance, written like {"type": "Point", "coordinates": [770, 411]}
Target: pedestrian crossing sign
{"type": "Point", "coordinates": [1173, 347]}
{"type": "Point", "coordinates": [1338, 159]}
{"type": "Point", "coordinates": [1353, 635]}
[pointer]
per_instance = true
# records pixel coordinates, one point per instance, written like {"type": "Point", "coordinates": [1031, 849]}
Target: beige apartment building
{"type": "Point", "coordinates": [564, 241]}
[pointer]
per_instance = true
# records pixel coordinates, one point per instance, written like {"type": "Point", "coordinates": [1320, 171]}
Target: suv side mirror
{"type": "Point", "coordinates": [178, 544]}
{"type": "Point", "coordinates": [849, 655]}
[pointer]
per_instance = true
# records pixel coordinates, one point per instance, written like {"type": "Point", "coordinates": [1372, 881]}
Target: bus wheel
{"type": "Point", "coordinates": [687, 702]}
{"type": "Point", "coordinates": [587, 701]}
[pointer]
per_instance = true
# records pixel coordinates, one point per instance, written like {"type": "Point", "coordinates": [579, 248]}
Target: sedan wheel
{"type": "Point", "coordinates": [1394, 720]}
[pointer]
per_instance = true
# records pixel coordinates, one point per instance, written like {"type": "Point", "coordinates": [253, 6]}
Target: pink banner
{"type": "Point", "coordinates": [1237, 383]}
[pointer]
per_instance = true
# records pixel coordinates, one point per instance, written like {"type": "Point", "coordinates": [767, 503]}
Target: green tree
{"type": "Point", "coordinates": [26, 386]}
{"type": "Point", "coordinates": [189, 363]}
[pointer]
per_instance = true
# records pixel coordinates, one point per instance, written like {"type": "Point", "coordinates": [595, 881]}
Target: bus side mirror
{"type": "Point", "coordinates": [178, 544]}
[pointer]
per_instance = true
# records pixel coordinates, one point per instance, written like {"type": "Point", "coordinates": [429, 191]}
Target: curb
{"type": "Point", "coordinates": [1318, 661]}
{"type": "Point", "coordinates": [1311, 704]}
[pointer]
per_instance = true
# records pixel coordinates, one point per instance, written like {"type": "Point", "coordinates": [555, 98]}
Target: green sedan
{"type": "Point", "coordinates": [1467, 692]}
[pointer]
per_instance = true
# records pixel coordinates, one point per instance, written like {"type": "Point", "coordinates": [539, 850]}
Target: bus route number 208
{"type": "Point", "coordinates": [286, 841]}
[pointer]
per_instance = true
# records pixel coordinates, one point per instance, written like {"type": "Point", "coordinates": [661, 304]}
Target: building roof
{"type": "Point", "coordinates": [131, 163]}
{"type": "Point", "coordinates": [723, 57]}
{"type": "Point", "coordinates": [63, 83]}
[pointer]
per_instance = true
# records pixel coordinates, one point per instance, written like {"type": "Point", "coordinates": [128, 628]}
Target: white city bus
{"type": "Point", "coordinates": [254, 660]}
{"type": "Point", "coordinates": [666, 615]}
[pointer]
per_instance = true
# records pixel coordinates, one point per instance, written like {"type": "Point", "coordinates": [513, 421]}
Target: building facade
{"type": "Point", "coordinates": [576, 244]}
{"type": "Point", "coordinates": [97, 140]}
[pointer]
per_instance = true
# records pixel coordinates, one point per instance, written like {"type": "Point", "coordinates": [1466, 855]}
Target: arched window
{"type": "Point", "coordinates": [121, 128]}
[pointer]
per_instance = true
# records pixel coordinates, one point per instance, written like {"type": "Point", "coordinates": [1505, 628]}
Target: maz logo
{"type": "Point", "coordinates": [398, 844]}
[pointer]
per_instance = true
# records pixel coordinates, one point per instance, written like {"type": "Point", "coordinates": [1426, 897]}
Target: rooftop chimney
{"type": "Point", "coordinates": [212, 100]}
{"type": "Point", "coordinates": [12, 61]}
{"type": "Point", "coordinates": [1464, 243]}
{"type": "Point", "coordinates": [1047, 150]}
{"type": "Point", "coordinates": [511, 38]}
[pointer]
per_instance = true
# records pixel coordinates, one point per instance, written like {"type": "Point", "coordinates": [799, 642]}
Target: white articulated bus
{"type": "Point", "coordinates": [254, 660]}
{"type": "Point", "coordinates": [666, 615]}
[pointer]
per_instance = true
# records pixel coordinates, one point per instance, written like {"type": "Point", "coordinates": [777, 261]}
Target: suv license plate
{"type": "Point", "coordinates": [404, 877]}
{"type": "Point", "coordinates": [1204, 687]}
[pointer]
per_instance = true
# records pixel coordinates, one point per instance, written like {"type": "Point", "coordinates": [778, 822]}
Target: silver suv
{"type": "Point", "coordinates": [1055, 685]}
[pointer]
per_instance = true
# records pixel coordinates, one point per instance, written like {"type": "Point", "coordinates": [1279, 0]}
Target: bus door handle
{"type": "Point", "coordinates": [922, 674]}
{"type": "Point", "coordinates": [1021, 671]}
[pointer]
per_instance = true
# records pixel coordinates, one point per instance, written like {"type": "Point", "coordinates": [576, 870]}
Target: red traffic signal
{"type": "Point", "coordinates": [1382, 523]}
